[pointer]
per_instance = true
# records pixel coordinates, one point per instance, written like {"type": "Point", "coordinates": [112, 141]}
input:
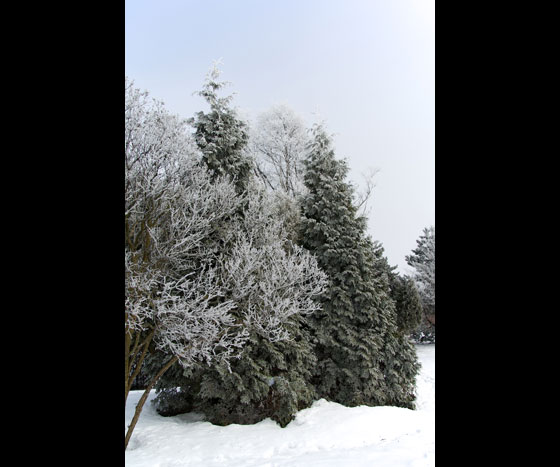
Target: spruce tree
{"type": "Point", "coordinates": [422, 260]}
{"type": "Point", "coordinates": [401, 289]}
{"type": "Point", "coordinates": [270, 380]}
{"type": "Point", "coordinates": [400, 362]}
{"type": "Point", "coordinates": [362, 358]}
{"type": "Point", "coordinates": [221, 135]}
{"type": "Point", "coordinates": [407, 302]}
{"type": "Point", "coordinates": [348, 331]}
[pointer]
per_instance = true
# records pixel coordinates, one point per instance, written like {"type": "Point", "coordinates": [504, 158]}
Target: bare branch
{"type": "Point", "coordinates": [362, 198]}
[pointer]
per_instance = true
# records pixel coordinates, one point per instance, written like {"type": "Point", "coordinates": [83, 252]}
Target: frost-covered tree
{"type": "Point", "coordinates": [400, 362]}
{"type": "Point", "coordinates": [264, 275]}
{"type": "Point", "coordinates": [271, 378]}
{"type": "Point", "coordinates": [361, 357]}
{"type": "Point", "coordinates": [182, 293]}
{"type": "Point", "coordinates": [278, 144]}
{"type": "Point", "coordinates": [401, 289]}
{"type": "Point", "coordinates": [221, 135]}
{"type": "Point", "coordinates": [271, 277]}
{"type": "Point", "coordinates": [348, 330]}
{"type": "Point", "coordinates": [422, 260]}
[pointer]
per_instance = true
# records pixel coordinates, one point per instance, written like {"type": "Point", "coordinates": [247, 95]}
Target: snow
{"type": "Point", "coordinates": [326, 434]}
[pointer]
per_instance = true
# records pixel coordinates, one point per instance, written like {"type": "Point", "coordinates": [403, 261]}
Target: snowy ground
{"type": "Point", "coordinates": [326, 434]}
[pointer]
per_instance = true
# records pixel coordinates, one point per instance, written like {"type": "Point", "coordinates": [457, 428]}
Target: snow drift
{"type": "Point", "coordinates": [326, 434]}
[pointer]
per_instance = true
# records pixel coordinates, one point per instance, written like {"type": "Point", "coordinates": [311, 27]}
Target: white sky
{"type": "Point", "coordinates": [365, 67]}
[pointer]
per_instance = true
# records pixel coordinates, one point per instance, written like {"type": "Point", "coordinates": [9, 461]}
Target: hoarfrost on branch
{"type": "Point", "coordinates": [199, 301]}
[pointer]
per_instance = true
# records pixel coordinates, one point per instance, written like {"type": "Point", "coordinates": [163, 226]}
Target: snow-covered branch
{"type": "Point", "coordinates": [171, 208]}
{"type": "Point", "coordinates": [194, 323]}
{"type": "Point", "coordinates": [196, 272]}
{"type": "Point", "coordinates": [271, 278]}
{"type": "Point", "coordinates": [278, 146]}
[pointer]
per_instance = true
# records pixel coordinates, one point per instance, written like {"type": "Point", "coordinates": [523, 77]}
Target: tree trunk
{"type": "Point", "coordinates": [129, 378]}
{"type": "Point", "coordinates": [143, 399]}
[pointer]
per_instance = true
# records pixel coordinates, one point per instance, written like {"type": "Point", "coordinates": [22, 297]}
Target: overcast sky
{"type": "Point", "coordinates": [364, 67]}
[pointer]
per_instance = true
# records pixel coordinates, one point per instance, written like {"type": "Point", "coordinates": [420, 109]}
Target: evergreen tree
{"type": "Point", "coordinates": [399, 354]}
{"type": "Point", "coordinates": [422, 260]}
{"type": "Point", "coordinates": [362, 358]}
{"type": "Point", "coordinates": [269, 380]}
{"type": "Point", "coordinates": [402, 290]}
{"type": "Point", "coordinates": [407, 302]}
{"type": "Point", "coordinates": [221, 135]}
{"type": "Point", "coordinates": [348, 330]}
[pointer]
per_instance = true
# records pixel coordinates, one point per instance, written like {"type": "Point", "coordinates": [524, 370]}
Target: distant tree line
{"type": "Point", "coordinates": [252, 288]}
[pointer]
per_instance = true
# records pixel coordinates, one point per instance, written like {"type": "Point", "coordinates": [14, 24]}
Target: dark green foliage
{"type": "Point", "coordinates": [174, 401]}
{"type": "Point", "coordinates": [425, 333]}
{"type": "Point", "coordinates": [222, 136]}
{"type": "Point", "coordinates": [269, 380]}
{"type": "Point", "coordinates": [348, 330]}
{"type": "Point", "coordinates": [400, 369]}
{"type": "Point", "coordinates": [400, 362]}
{"type": "Point", "coordinates": [422, 260]}
{"type": "Point", "coordinates": [402, 290]}
{"type": "Point", "coordinates": [175, 389]}
{"type": "Point", "coordinates": [141, 381]}
{"type": "Point", "coordinates": [362, 359]}
{"type": "Point", "coordinates": [407, 303]}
